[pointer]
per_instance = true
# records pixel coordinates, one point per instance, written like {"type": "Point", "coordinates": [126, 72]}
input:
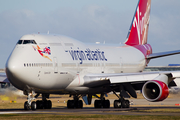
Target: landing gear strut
{"type": "Point", "coordinates": [76, 103]}
{"type": "Point", "coordinates": [102, 103]}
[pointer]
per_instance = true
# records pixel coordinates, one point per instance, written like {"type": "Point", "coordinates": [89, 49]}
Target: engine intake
{"type": "Point", "coordinates": [155, 90]}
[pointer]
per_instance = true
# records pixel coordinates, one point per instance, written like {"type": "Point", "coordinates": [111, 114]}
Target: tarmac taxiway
{"type": "Point", "coordinates": [138, 107]}
{"type": "Point", "coordinates": [120, 111]}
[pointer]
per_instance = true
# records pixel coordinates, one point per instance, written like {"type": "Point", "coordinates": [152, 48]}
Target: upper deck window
{"type": "Point", "coordinates": [26, 42]}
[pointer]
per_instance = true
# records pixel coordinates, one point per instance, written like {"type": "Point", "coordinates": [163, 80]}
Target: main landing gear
{"type": "Point", "coordinates": [44, 103]}
{"type": "Point", "coordinates": [75, 103]}
{"type": "Point", "coordinates": [102, 103]}
{"type": "Point", "coordinates": [121, 103]}
{"type": "Point", "coordinates": [39, 104]}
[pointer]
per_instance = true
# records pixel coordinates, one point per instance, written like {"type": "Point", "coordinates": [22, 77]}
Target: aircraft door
{"type": "Point", "coordinates": [55, 65]}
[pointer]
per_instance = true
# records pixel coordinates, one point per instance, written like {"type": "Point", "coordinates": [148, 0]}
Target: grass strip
{"type": "Point", "coordinates": [82, 117]}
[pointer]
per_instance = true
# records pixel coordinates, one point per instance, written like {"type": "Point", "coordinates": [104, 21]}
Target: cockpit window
{"type": "Point", "coordinates": [26, 42]}
{"type": "Point", "coordinates": [29, 42]}
{"type": "Point", "coordinates": [20, 42]}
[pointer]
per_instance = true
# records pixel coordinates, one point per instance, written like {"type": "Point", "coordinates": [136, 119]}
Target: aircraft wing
{"type": "Point", "coordinates": [154, 85]}
{"type": "Point", "coordinates": [163, 54]}
{"type": "Point", "coordinates": [3, 79]}
{"type": "Point", "coordinates": [129, 77]}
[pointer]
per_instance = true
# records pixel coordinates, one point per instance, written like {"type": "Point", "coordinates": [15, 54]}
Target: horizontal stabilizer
{"type": "Point", "coordinates": [163, 54]}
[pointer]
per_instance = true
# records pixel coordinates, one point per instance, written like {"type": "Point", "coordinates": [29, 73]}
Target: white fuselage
{"type": "Point", "coordinates": [57, 64]}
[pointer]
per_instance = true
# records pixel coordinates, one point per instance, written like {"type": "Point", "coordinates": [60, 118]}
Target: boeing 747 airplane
{"type": "Point", "coordinates": [55, 64]}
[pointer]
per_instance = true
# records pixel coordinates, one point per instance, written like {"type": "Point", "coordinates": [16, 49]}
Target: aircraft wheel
{"type": "Point", "coordinates": [33, 105]}
{"type": "Point", "coordinates": [125, 104]}
{"type": "Point", "coordinates": [97, 104]}
{"type": "Point", "coordinates": [70, 104]}
{"type": "Point", "coordinates": [39, 104]}
{"type": "Point", "coordinates": [26, 106]}
{"type": "Point", "coordinates": [49, 104]}
{"type": "Point", "coordinates": [106, 104]}
{"type": "Point", "coordinates": [79, 104]}
{"type": "Point", "coordinates": [117, 104]}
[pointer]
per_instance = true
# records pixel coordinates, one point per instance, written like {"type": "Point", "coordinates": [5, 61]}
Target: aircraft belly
{"type": "Point", "coordinates": [41, 79]}
{"type": "Point", "coordinates": [52, 82]}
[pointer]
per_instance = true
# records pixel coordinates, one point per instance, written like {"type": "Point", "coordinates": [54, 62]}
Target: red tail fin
{"type": "Point", "coordinates": [138, 31]}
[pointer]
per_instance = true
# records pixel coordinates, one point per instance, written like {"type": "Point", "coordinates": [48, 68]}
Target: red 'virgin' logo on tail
{"type": "Point", "coordinates": [139, 29]}
{"type": "Point", "coordinates": [141, 23]}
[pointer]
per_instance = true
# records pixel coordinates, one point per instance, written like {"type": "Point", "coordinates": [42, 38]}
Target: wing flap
{"type": "Point", "coordinates": [133, 78]}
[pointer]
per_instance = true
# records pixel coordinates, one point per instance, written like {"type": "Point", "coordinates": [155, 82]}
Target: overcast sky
{"type": "Point", "coordinates": [89, 21]}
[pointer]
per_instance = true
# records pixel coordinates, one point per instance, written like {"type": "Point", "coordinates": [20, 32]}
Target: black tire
{"type": "Point", "coordinates": [38, 104]}
{"type": "Point", "coordinates": [41, 106]}
{"type": "Point", "coordinates": [70, 104]}
{"type": "Point", "coordinates": [127, 103]}
{"type": "Point", "coordinates": [97, 104]}
{"type": "Point", "coordinates": [26, 106]}
{"type": "Point", "coordinates": [49, 104]}
{"type": "Point", "coordinates": [123, 103]}
{"type": "Point", "coordinates": [45, 104]}
{"type": "Point", "coordinates": [106, 104]}
{"type": "Point", "coordinates": [33, 106]}
{"type": "Point", "coordinates": [80, 104]}
{"type": "Point", "coordinates": [116, 104]}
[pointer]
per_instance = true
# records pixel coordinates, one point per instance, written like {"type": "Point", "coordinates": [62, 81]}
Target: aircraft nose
{"type": "Point", "coordinates": [13, 70]}
{"type": "Point", "coordinates": [10, 67]}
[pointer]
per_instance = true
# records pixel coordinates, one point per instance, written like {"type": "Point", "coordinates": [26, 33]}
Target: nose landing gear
{"type": "Point", "coordinates": [29, 104]}
{"type": "Point", "coordinates": [39, 104]}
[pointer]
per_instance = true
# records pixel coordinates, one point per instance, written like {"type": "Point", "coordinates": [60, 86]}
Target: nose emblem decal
{"type": "Point", "coordinates": [43, 51]}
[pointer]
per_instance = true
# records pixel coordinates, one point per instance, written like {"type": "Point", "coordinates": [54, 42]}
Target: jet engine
{"type": "Point", "coordinates": [155, 90]}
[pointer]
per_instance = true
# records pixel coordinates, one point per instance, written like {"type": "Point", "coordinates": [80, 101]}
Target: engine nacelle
{"type": "Point", "coordinates": [155, 90]}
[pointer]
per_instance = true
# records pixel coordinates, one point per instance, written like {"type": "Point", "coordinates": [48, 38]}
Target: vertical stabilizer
{"type": "Point", "coordinates": [138, 31]}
